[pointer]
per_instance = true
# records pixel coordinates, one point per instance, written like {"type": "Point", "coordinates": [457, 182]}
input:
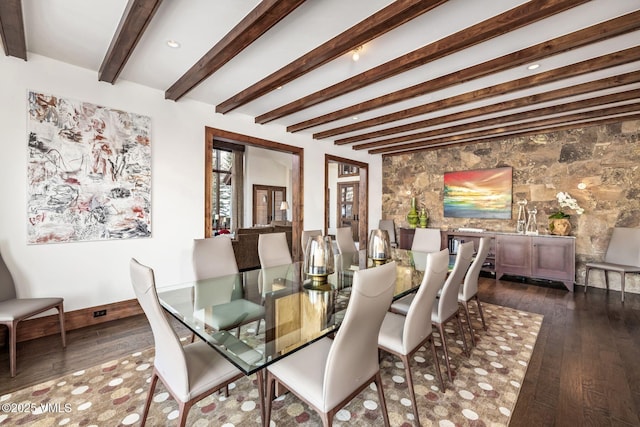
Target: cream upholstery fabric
{"type": "Point", "coordinates": [344, 240]}
{"type": "Point", "coordinates": [189, 373]}
{"type": "Point", "coordinates": [388, 224]}
{"type": "Point", "coordinates": [426, 240]}
{"type": "Point", "coordinates": [306, 235]}
{"type": "Point", "coordinates": [328, 373]}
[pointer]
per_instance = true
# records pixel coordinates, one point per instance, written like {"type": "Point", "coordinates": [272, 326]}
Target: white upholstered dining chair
{"type": "Point", "coordinates": [13, 310]}
{"type": "Point", "coordinates": [306, 235]}
{"type": "Point", "coordinates": [328, 374]}
{"type": "Point", "coordinates": [426, 240]}
{"type": "Point", "coordinates": [404, 335]}
{"type": "Point", "coordinates": [344, 240]}
{"type": "Point", "coordinates": [214, 258]}
{"type": "Point", "coordinates": [469, 289]}
{"type": "Point", "coordinates": [275, 260]}
{"type": "Point", "coordinates": [189, 373]}
{"type": "Point", "coordinates": [389, 225]}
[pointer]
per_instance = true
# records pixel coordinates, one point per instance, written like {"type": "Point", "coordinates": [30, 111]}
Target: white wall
{"type": "Point", "coordinates": [93, 273]}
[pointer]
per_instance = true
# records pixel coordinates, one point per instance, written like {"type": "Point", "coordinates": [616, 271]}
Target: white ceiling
{"type": "Point", "coordinates": [79, 32]}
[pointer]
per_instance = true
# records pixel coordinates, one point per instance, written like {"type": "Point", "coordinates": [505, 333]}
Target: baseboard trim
{"type": "Point", "coordinates": [49, 325]}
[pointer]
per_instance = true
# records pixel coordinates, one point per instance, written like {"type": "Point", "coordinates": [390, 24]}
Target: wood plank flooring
{"type": "Point", "coordinates": [585, 369]}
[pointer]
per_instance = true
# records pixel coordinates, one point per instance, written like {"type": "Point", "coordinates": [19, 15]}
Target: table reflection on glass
{"type": "Point", "coordinates": [296, 312]}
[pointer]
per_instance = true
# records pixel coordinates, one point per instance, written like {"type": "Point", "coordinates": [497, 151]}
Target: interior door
{"type": "Point", "coordinates": [348, 208]}
{"type": "Point", "coordinates": [266, 204]}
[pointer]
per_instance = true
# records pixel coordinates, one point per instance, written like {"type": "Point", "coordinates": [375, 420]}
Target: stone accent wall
{"type": "Point", "coordinates": [606, 158]}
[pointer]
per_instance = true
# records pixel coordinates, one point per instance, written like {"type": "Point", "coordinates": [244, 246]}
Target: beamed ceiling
{"type": "Point", "coordinates": [431, 73]}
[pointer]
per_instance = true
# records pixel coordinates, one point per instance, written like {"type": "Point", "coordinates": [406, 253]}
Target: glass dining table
{"type": "Point", "coordinates": [298, 311]}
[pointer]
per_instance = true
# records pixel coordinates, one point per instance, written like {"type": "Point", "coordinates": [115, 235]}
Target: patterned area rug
{"type": "Point", "coordinates": [484, 391]}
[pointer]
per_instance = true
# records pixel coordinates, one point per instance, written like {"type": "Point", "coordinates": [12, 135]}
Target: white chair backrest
{"type": "Point", "coordinates": [7, 285]}
{"type": "Point", "coordinates": [353, 357]}
{"type": "Point", "coordinates": [169, 355]}
{"type": "Point", "coordinates": [306, 234]}
{"type": "Point", "coordinates": [344, 239]}
{"type": "Point", "coordinates": [470, 285]}
{"type": "Point", "coordinates": [213, 257]}
{"type": "Point", "coordinates": [417, 325]}
{"type": "Point", "coordinates": [624, 247]}
{"type": "Point", "coordinates": [426, 240]}
{"type": "Point", "coordinates": [273, 250]}
{"type": "Point", "coordinates": [388, 224]}
{"type": "Point", "coordinates": [448, 301]}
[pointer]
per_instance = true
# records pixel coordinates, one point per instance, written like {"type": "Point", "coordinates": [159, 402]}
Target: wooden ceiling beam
{"type": "Point", "coordinates": [12, 29]}
{"type": "Point", "coordinates": [392, 16]}
{"type": "Point", "coordinates": [567, 126]}
{"type": "Point", "coordinates": [599, 101]}
{"type": "Point", "coordinates": [580, 89]}
{"type": "Point", "coordinates": [501, 24]}
{"type": "Point", "coordinates": [626, 109]}
{"type": "Point", "coordinates": [572, 70]}
{"type": "Point", "coordinates": [577, 39]}
{"type": "Point", "coordinates": [134, 22]}
{"type": "Point", "coordinates": [257, 22]}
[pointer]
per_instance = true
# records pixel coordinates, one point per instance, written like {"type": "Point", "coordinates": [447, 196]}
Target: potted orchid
{"type": "Point", "coordinates": [559, 221]}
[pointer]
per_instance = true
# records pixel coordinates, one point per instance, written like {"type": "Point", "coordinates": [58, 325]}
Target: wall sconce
{"type": "Point", "coordinates": [379, 249]}
{"type": "Point", "coordinates": [318, 260]}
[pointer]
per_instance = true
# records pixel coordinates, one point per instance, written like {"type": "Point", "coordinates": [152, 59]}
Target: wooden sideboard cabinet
{"type": "Point", "coordinates": [541, 257]}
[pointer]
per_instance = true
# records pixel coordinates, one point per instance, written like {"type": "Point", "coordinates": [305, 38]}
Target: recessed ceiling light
{"type": "Point", "coordinates": [354, 118]}
{"type": "Point", "coordinates": [279, 88]}
{"type": "Point", "coordinates": [533, 66]}
{"type": "Point", "coordinates": [173, 44]}
{"type": "Point", "coordinates": [356, 53]}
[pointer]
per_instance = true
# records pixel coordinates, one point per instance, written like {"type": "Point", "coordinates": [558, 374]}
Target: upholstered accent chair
{"type": "Point", "coordinates": [275, 261]}
{"type": "Point", "coordinates": [329, 373]}
{"type": "Point", "coordinates": [389, 225]}
{"type": "Point", "coordinates": [622, 256]}
{"type": "Point", "coordinates": [404, 335]}
{"type": "Point", "coordinates": [189, 373]}
{"type": "Point", "coordinates": [13, 310]}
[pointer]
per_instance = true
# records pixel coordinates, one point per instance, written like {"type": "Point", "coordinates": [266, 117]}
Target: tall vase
{"type": "Point", "coordinates": [423, 218]}
{"type": "Point", "coordinates": [412, 216]}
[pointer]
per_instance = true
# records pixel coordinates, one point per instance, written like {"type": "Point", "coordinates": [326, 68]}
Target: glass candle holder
{"type": "Point", "coordinates": [318, 259]}
{"type": "Point", "coordinates": [379, 249]}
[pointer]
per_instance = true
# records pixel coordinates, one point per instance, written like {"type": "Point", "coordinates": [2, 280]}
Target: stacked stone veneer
{"type": "Point", "coordinates": [606, 158]}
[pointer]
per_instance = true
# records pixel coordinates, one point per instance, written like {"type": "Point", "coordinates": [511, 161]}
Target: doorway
{"type": "Point", "coordinates": [355, 176]}
{"type": "Point", "coordinates": [267, 200]}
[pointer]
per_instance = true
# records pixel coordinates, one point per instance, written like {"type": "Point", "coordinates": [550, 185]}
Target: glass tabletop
{"type": "Point", "coordinates": [294, 310]}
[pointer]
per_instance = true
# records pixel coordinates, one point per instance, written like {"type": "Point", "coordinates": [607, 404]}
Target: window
{"type": "Point", "coordinates": [221, 189]}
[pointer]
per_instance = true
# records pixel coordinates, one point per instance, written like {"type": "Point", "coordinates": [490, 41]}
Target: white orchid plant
{"type": "Point", "coordinates": [566, 201]}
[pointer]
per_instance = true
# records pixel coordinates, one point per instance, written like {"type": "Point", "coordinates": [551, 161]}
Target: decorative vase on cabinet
{"type": "Point", "coordinates": [424, 218]}
{"type": "Point", "coordinates": [412, 216]}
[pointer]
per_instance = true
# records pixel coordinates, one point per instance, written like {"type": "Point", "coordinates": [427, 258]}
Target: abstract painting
{"type": "Point", "coordinates": [89, 172]}
{"type": "Point", "coordinates": [481, 193]}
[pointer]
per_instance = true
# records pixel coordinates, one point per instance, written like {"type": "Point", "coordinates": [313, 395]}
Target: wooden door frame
{"type": "Point", "coordinates": [363, 189]}
{"type": "Point", "coordinates": [297, 178]}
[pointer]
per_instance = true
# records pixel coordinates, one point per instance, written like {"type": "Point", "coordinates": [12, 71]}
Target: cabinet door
{"type": "Point", "coordinates": [553, 258]}
{"type": "Point", "coordinates": [513, 255]}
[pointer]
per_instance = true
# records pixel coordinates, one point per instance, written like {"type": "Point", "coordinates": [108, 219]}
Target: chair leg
{"type": "Point", "coordinates": [484, 325]}
{"type": "Point", "coordinates": [267, 402]}
{"type": "Point", "coordinates": [464, 338]}
{"type": "Point", "coordinates": [606, 279]}
{"type": "Point", "coordinates": [13, 328]}
{"type": "Point", "coordinates": [412, 393]}
{"type": "Point", "coordinates": [147, 404]}
{"type": "Point", "coordinates": [258, 326]}
{"type": "Point", "coordinates": [63, 332]}
{"type": "Point", "coordinates": [436, 363]}
{"type": "Point", "coordinates": [383, 403]}
{"type": "Point", "coordinates": [622, 285]}
{"type": "Point", "coordinates": [183, 412]}
{"type": "Point", "coordinates": [586, 279]}
{"type": "Point", "coordinates": [465, 306]}
{"type": "Point", "coordinates": [443, 339]}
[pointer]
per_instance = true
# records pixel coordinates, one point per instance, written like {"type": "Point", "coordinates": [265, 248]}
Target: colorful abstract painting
{"type": "Point", "coordinates": [89, 172]}
{"type": "Point", "coordinates": [482, 193]}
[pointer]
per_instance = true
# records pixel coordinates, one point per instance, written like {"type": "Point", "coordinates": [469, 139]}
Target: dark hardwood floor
{"type": "Point", "coordinates": [585, 369]}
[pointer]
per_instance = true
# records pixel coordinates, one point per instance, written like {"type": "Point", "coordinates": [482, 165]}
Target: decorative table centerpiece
{"type": "Point", "coordinates": [559, 221]}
